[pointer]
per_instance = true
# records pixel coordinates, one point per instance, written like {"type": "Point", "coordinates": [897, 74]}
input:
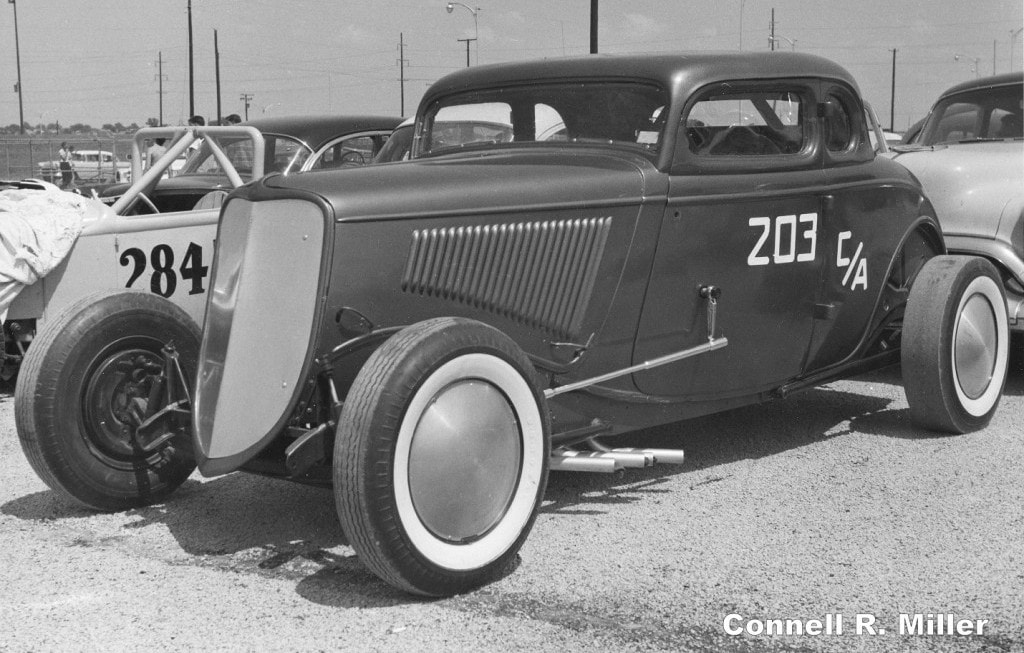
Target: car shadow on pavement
{"type": "Point", "coordinates": [747, 433]}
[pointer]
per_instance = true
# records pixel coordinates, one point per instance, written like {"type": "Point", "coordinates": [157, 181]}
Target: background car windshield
{"type": "Point", "coordinates": [283, 154]}
{"type": "Point", "coordinates": [989, 113]}
{"type": "Point", "coordinates": [605, 113]}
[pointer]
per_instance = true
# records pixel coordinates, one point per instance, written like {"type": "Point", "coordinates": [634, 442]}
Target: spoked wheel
{"type": "Point", "coordinates": [102, 400]}
{"type": "Point", "coordinates": [441, 456]}
{"type": "Point", "coordinates": [956, 344]}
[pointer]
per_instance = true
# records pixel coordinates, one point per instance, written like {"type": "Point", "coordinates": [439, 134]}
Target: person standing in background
{"type": "Point", "coordinates": [64, 157]}
{"type": "Point", "coordinates": [155, 151]}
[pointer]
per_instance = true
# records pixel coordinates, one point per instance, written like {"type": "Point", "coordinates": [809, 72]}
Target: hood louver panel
{"type": "Point", "coordinates": [540, 274]}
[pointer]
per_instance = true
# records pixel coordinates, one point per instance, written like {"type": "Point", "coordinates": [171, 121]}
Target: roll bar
{"type": "Point", "coordinates": [180, 139]}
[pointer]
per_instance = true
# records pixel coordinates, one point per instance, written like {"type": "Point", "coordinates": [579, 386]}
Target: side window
{"type": "Point", "coordinates": [757, 122]}
{"type": "Point", "coordinates": [838, 124]}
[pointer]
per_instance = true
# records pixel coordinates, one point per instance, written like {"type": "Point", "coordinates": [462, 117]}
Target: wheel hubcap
{"type": "Point", "coordinates": [464, 461]}
{"type": "Point", "coordinates": [975, 346]}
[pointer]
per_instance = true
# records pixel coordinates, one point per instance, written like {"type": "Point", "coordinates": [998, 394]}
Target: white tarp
{"type": "Point", "coordinates": [37, 230]}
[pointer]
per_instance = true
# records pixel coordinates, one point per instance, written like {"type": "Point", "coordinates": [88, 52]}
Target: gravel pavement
{"type": "Point", "coordinates": [826, 503]}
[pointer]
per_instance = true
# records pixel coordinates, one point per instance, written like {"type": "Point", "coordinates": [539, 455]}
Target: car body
{"type": "Point", "coordinates": [89, 167]}
{"type": "Point", "coordinates": [119, 246]}
{"type": "Point", "coordinates": [132, 234]}
{"type": "Point", "coordinates": [969, 157]}
{"type": "Point", "coordinates": [662, 237]}
{"type": "Point", "coordinates": [293, 143]}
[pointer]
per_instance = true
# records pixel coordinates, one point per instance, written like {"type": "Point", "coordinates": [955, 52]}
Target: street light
{"type": "Point", "coordinates": [974, 66]}
{"type": "Point", "coordinates": [450, 7]}
{"type": "Point", "coordinates": [17, 57]}
{"type": "Point", "coordinates": [776, 39]}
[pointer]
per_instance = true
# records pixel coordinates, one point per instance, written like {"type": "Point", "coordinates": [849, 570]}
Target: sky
{"type": "Point", "coordinates": [96, 61]}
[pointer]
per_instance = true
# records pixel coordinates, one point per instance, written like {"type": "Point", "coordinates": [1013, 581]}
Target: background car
{"type": "Point", "coordinates": [399, 145]}
{"type": "Point", "coordinates": [292, 144]}
{"type": "Point", "coordinates": [89, 167]}
{"type": "Point", "coordinates": [429, 338]}
{"type": "Point", "coordinates": [969, 156]}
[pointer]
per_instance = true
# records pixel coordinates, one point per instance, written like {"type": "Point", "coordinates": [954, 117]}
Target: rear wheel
{"type": "Point", "coordinates": [955, 344]}
{"type": "Point", "coordinates": [441, 457]}
{"type": "Point", "coordinates": [101, 403]}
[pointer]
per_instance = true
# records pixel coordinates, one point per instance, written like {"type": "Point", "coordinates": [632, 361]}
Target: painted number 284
{"type": "Point", "coordinates": [164, 279]}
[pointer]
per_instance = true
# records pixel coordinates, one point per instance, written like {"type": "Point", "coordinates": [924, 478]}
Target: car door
{"type": "Point", "coordinates": [743, 214]}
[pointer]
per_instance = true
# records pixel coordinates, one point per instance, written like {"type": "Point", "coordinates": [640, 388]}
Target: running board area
{"type": "Point", "coordinates": [611, 460]}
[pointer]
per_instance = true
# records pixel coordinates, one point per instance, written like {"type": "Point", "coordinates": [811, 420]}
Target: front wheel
{"type": "Point", "coordinates": [956, 344]}
{"type": "Point", "coordinates": [441, 456]}
{"type": "Point", "coordinates": [102, 400]}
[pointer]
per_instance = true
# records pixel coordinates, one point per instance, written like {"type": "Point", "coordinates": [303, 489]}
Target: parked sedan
{"type": "Point", "coordinates": [662, 237]}
{"type": "Point", "coordinates": [969, 156]}
{"type": "Point", "coordinates": [89, 167]}
{"type": "Point", "coordinates": [293, 143]}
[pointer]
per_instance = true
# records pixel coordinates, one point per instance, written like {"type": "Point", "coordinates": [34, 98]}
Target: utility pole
{"type": "Point", "coordinates": [771, 30]}
{"type": "Point", "coordinates": [593, 26]}
{"type": "Point", "coordinates": [17, 57]}
{"type": "Point", "coordinates": [467, 41]}
{"type": "Point", "coordinates": [402, 63]}
{"type": "Point", "coordinates": [1014, 33]}
{"type": "Point", "coordinates": [247, 98]}
{"type": "Point", "coordinates": [191, 68]}
{"type": "Point", "coordinates": [892, 95]}
{"type": "Point", "coordinates": [160, 78]}
{"type": "Point", "coordinates": [216, 66]}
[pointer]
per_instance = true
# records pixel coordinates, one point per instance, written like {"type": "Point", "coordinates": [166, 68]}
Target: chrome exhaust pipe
{"type": "Point", "coordinates": [664, 456]}
{"type": "Point", "coordinates": [621, 459]}
{"type": "Point", "coordinates": [570, 461]}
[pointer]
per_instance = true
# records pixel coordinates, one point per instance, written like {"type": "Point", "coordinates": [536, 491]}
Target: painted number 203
{"type": "Point", "coordinates": [786, 239]}
{"type": "Point", "coordinates": [164, 278]}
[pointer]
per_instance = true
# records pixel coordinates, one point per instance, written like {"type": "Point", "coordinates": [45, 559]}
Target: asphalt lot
{"type": "Point", "coordinates": [829, 502]}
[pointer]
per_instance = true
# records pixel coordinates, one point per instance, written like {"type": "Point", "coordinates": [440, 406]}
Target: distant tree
{"type": "Point", "coordinates": [53, 127]}
{"type": "Point", "coordinates": [79, 128]}
{"type": "Point", "coordinates": [152, 122]}
{"type": "Point", "coordinates": [108, 127]}
{"type": "Point", "coordinates": [11, 129]}
{"type": "Point", "coordinates": [134, 127]}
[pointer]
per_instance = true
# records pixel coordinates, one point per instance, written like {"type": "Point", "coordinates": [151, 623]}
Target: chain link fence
{"type": "Point", "coordinates": [97, 160]}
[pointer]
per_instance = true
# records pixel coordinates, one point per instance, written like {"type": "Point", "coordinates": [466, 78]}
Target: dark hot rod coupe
{"type": "Point", "coordinates": [644, 239]}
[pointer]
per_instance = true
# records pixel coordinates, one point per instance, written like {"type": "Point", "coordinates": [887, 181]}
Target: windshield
{"type": "Point", "coordinates": [283, 154]}
{"type": "Point", "coordinates": [981, 114]}
{"type": "Point", "coordinates": [622, 114]}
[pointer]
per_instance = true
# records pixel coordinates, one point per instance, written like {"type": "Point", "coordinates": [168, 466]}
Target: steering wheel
{"type": "Point", "coordinates": [353, 159]}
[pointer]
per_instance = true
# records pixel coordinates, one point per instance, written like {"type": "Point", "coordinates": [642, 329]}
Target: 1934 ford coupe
{"type": "Point", "coordinates": [648, 239]}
